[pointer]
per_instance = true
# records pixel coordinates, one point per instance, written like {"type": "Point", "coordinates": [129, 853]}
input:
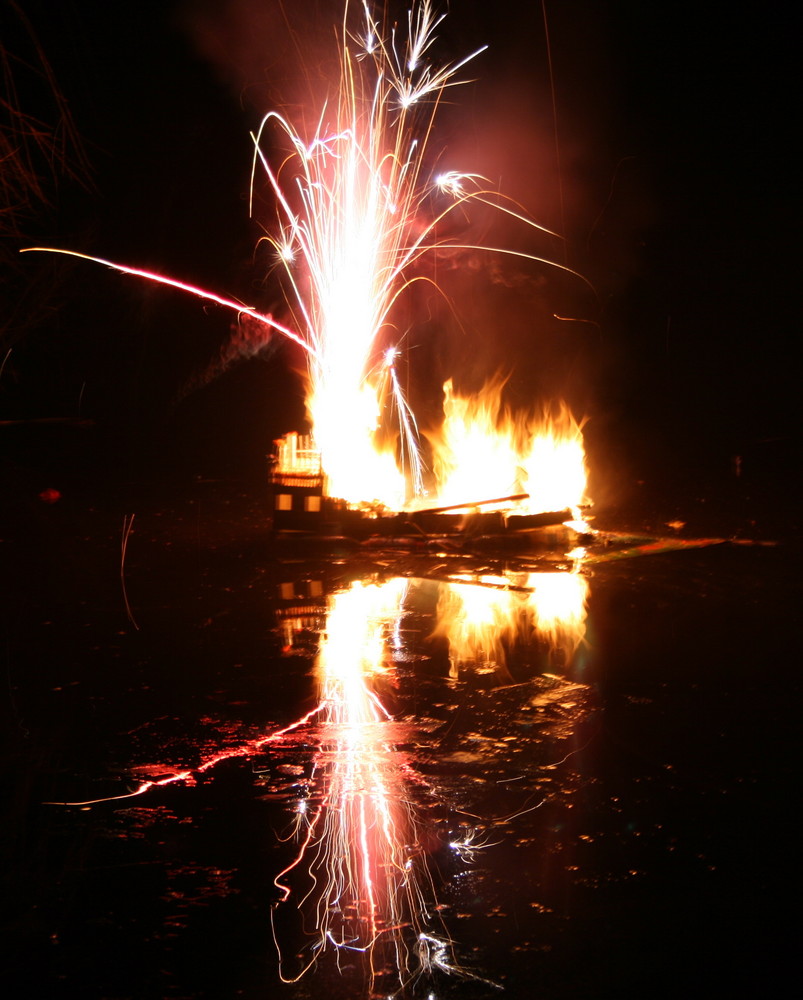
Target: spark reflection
{"type": "Point", "coordinates": [369, 887]}
{"type": "Point", "coordinates": [367, 882]}
{"type": "Point", "coordinates": [359, 880]}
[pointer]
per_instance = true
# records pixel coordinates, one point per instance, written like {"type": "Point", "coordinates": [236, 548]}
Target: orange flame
{"type": "Point", "coordinates": [484, 450]}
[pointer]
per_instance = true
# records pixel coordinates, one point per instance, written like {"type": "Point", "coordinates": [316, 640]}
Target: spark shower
{"type": "Point", "coordinates": [361, 200]}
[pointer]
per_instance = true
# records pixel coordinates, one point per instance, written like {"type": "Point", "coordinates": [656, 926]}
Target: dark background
{"type": "Point", "coordinates": [672, 178]}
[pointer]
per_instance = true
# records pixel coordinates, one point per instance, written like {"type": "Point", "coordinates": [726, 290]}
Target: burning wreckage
{"type": "Point", "coordinates": [301, 508]}
{"type": "Point", "coordinates": [363, 212]}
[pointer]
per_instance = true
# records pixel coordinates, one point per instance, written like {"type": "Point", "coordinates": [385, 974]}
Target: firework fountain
{"type": "Point", "coordinates": [361, 205]}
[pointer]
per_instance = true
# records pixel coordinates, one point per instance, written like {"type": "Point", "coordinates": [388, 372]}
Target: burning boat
{"type": "Point", "coordinates": [302, 508]}
{"type": "Point", "coordinates": [361, 207]}
{"type": "Point", "coordinates": [360, 210]}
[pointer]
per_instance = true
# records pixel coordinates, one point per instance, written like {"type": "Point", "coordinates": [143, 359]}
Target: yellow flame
{"type": "Point", "coordinates": [485, 451]}
{"type": "Point", "coordinates": [358, 209]}
{"type": "Point", "coordinates": [555, 474]}
{"type": "Point", "coordinates": [473, 459]}
{"type": "Point", "coordinates": [358, 469]}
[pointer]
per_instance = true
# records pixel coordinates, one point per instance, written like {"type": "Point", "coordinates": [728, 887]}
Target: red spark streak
{"type": "Point", "coordinates": [238, 307]}
{"type": "Point", "coordinates": [243, 750]}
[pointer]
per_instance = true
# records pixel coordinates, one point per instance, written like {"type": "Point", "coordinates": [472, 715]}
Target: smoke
{"type": "Point", "coordinates": [539, 123]}
{"type": "Point", "coordinates": [267, 53]}
{"type": "Point", "coordinates": [249, 339]}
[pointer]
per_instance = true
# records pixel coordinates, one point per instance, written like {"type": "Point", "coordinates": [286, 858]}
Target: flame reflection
{"type": "Point", "coordinates": [483, 616]}
{"type": "Point", "coordinates": [360, 878]}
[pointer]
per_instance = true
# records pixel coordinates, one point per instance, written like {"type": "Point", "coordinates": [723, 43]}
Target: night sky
{"type": "Point", "coordinates": [676, 173]}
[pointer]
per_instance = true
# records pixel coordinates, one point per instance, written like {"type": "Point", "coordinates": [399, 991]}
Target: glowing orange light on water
{"type": "Point", "coordinates": [359, 876]}
{"type": "Point", "coordinates": [559, 602]}
{"type": "Point", "coordinates": [364, 876]}
{"type": "Point", "coordinates": [483, 616]}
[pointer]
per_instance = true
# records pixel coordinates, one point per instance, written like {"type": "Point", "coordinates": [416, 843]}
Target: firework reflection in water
{"type": "Point", "coordinates": [360, 876]}
{"type": "Point", "coordinates": [360, 879]}
{"type": "Point", "coordinates": [367, 879]}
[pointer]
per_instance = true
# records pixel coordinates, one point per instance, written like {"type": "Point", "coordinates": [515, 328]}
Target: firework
{"type": "Point", "coordinates": [360, 206]}
{"type": "Point", "coordinates": [355, 221]}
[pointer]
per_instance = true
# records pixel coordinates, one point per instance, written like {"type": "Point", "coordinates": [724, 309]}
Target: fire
{"type": "Point", "coordinates": [483, 450]}
{"type": "Point", "coordinates": [352, 229]}
{"type": "Point", "coordinates": [554, 462]}
{"type": "Point", "coordinates": [359, 207]}
{"type": "Point", "coordinates": [358, 469]}
{"type": "Point", "coordinates": [472, 460]}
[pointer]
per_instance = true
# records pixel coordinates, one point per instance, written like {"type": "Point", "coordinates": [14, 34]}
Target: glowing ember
{"type": "Point", "coordinates": [297, 454]}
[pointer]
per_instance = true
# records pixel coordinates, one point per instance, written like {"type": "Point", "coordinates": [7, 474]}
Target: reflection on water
{"type": "Point", "coordinates": [482, 616]}
{"type": "Point", "coordinates": [569, 840]}
{"type": "Point", "coordinates": [359, 868]}
{"type": "Point", "coordinates": [442, 705]}
{"type": "Point", "coordinates": [361, 879]}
